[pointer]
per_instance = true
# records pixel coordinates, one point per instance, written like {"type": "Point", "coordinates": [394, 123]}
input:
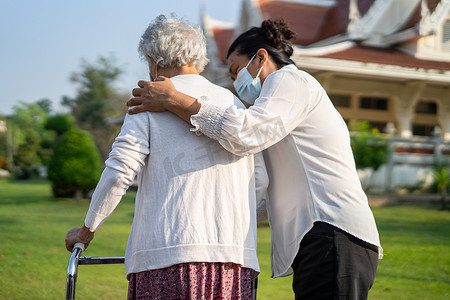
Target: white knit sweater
{"type": "Point", "coordinates": [196, 202]}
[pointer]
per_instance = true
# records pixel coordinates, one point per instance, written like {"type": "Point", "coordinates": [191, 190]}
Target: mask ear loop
{"type": "Point", "coordinates": [251, 59]}
{"type": "Point", "coordinates": [259, 72]}
{"type": "Point", "coordinates": [257, 75]}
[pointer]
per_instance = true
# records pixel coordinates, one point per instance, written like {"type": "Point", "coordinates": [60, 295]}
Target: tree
{"type": "Point", "coordinates": [4, 147]}
{"type": "Point", "coordinates": [45, 104]}
{"type": "Point", "coordinates": [97, 100]}
{"type": "Point", "coordinates": [30, 115]}
{"type": "Point", "coordinates": [26, 159]}
{"type": "Point", "coordinates": [31, 150]}
{"type": "Point", "coordinates": [75, 166]}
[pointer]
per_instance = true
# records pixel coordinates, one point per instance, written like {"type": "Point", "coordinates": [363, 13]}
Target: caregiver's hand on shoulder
{"type": "Point", "coordinates": [152, 95]}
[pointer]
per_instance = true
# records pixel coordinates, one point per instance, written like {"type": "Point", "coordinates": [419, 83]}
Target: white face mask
{"type": "Point", "coordinates": [247, 87]}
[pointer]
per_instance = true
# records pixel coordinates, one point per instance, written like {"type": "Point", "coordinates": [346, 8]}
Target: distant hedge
{"type": "Point", "coordinates": [75, 166]}
{"type": "Point", "coordinates": [59, 123]}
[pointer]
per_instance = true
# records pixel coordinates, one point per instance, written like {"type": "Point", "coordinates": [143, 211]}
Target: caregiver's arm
{"type": "Point", "coordinates": [282, 105]}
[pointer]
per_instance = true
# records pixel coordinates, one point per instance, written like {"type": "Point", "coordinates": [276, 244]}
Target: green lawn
{"type": "Point", "coordinates": [33, 260]}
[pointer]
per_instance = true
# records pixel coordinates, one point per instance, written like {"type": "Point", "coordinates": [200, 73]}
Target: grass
{"type": "Point", "coordinates": [33, 260]}
{"type": "Point", "coordinates": [416, 242]}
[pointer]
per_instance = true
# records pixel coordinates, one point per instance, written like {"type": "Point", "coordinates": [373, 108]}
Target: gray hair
{"type": "Point", "coordinates": [174, 42]}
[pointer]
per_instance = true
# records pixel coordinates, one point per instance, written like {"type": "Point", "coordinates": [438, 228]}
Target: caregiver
{"type": "Point", "coordinates": [322, 228]}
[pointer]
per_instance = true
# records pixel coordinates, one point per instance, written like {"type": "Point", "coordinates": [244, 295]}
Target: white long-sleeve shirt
{"type": "Point", "coordinates": [308, 156]}
{"type": "Point", "coordinates": [196, 202]}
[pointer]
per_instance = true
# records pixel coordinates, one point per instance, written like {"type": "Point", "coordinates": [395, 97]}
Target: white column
{"type": "Point", "coordinates": [404, 110]}
{"type": "Point", "coordinates": [405, 119]}
{"type": "Point", "coordinates": [353, 15]}
{"type": "Point", "coordinates": [444, 115]}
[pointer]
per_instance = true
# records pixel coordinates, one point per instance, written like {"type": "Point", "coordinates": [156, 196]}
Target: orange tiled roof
{"type": "Point", "coordinates": [223, 41]}
{"type": "Point", "coordinates": [312, 23]}
{"type": "Point", "coordinates": [387, 57]}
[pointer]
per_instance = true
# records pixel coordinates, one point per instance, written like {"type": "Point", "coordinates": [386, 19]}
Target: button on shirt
{"type": "Point", "coordinates": [311, 168]}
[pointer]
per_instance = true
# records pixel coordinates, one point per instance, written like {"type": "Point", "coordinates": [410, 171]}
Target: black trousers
{"type": "Point", "coordinates": [332, 264]}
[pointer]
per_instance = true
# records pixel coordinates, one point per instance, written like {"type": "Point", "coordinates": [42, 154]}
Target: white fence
{"type": "Point", "coordinates": [410, 164]}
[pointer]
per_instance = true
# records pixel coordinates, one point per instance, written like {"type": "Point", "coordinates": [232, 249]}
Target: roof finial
{"type": "Point", "coordinates": [353, 14]}
{"type": "Point", "coordinates": [425, 10]}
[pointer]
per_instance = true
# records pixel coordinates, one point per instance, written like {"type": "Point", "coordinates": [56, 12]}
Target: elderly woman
{"type": "Point", "coordinates": [194, 230]}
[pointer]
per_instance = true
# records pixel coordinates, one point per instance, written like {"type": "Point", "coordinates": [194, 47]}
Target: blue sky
{"type": "Point", "coordinates": [43, 41]}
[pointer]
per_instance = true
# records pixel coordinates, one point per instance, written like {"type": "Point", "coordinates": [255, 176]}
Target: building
{"type": "Point", "coordinates": [384, 61]}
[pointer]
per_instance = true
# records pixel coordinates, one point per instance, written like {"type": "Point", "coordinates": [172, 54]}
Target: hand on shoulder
{"type": "Point", "coordinates": [152, 95]}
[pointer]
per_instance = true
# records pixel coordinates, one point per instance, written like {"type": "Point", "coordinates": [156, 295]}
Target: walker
{"type": "Point", "coordinates": [76, 259]}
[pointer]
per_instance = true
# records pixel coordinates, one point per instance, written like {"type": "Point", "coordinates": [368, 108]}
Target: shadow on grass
{"type": "Point", "coordinates": [417, 231]}
{"type": "Point", "coordinates": [8, 221]}
{"type": "Point", "coordinates": [21, 200]}
{"type": "Point", "coordinates": [411, 277]}
{"type": "Point", "coordinates": [19, 192]}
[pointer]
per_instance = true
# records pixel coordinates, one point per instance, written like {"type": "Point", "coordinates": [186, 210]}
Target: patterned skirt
{"type": "Point", "coordinates": [192, 281]}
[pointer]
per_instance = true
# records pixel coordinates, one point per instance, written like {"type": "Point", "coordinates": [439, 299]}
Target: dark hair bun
{"type": "Point", "coordinates": [274, 36]}
{"type": "Point", "coordinates": [278, 34]}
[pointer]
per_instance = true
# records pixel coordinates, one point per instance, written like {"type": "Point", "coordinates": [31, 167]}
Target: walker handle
{"type": "Point", "coordinates": [78, 245]}
{"type": "Point", "coordinates": [72, 270]}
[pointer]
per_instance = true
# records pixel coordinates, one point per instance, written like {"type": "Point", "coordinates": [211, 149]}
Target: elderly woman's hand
{"type": "Point", "coordinates": [152, 95]}
{"type": "Point", "coordinates": [78, 235]}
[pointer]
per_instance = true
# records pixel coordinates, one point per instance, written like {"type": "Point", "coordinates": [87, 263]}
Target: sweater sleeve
{"type": "Point", "coordinates": [126, 159]}
{"type": "Point", "coordinates": [283, 104]}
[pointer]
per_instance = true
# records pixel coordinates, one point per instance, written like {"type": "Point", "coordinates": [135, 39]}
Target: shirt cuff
{"type": "Point", "coordinates": [94, 220]}
{"type": "Point", "coordinates": [209, 119]}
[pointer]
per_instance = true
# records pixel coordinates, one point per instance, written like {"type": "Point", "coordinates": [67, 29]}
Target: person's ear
{"type": "Point", "coordinates": [150, 59]}
{"type": "Point", "coordinates": [152, 64]}
{"type": "Point", "coordinates": [262, 56]}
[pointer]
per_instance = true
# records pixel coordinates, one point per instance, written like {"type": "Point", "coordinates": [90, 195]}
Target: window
{"type": "Point", "coordinates": [429, 108]}
{"type": "Point", "coordinates": [446, 36]}
{"type": "Point", "coordinates": [340, 100]}
{"type": "Point", "coordinates": [374, 103]}
{"type": "Point", "coordinates": [380, 126]}
{"type": "Point", "coordinates": [424, 130]}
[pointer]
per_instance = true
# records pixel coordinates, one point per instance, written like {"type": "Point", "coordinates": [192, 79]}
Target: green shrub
{"type": "Point", "coordinates": [75, 166]}
{"type": "Point", "coordinates": [441, 168]}
{"type": "Point", "coordinates": [369, 148]}
{"type": "Point", "coordinates": [59, 123]}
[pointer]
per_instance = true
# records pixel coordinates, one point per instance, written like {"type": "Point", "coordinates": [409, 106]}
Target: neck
{"type": "Point", "coordinates": [184, 69]}
{"type": "Point", "coordinates": [269, 67]}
